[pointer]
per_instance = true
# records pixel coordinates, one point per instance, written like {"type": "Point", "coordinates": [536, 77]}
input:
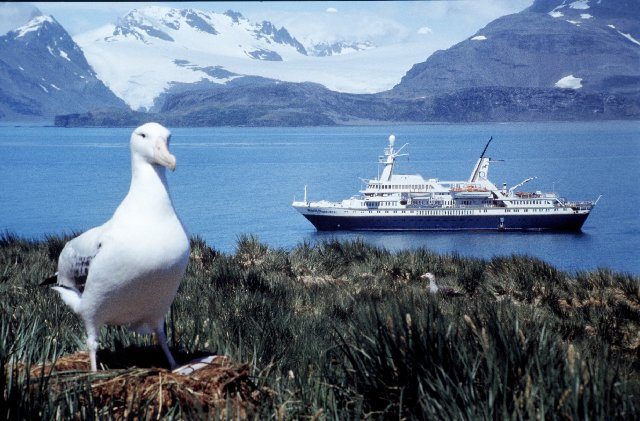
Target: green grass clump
{"type": "Point", "coordinates": [343, 329]}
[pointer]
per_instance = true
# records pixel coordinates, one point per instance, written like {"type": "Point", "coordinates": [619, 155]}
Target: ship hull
{"type": "Point", "coordinates": [564, 222]}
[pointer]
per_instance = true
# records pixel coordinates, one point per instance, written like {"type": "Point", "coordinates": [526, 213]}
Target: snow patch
{"type": "Point", "coordinates": [33, 25]}
{"type": "Point", "coordinates": [575, 22]}
{"type": "Point", "coordinates": [630, 38]}
{"type": "Point", "coordinates": [21, 68]}
{"type": "Point", "coordinates": [611, 26]}
{"type": "Point", "coordinates": [569, 82]}
{"type": "Point", "coordinates": [64, 55]}
{"type": "Point", "coordinates": [479, 38]}
{"type": "Point", "coordinates": [55, 87]}
{"type": "Point", "coordinates": [43, 88]}
{"type": "Point", "coordinates": [580, 5]}
{"type": "Point", "coordinates": [556, 14]}
{"type": "Point", "coordinates": [50, 50]}
{"type": "Point", "coordinates": [585, 16]}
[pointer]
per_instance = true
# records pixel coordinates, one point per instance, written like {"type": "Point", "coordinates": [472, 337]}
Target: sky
{"type": "Point", "coordinates": [441, 23]}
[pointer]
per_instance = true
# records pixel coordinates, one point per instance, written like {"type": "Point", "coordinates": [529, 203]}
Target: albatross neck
{"type": "Point", "coordinates": [148, 186]}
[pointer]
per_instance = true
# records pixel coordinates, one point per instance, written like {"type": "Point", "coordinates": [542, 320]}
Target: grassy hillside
{"type": "Point", "coordinates": [340, 329]}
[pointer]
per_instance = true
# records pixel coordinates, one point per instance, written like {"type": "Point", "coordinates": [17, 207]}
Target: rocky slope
{"type": "Point", "coordinates": [557, 60]}
{"type": "Point", "coordinates": [582, 45]}
{"type": "Point", "coordinates": [43, 72]}
{"type": "Point", "coordinates": [253, 101]}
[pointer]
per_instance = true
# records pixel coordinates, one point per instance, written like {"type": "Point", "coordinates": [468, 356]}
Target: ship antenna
{"type": "Point", "coordinates": [485, 148]}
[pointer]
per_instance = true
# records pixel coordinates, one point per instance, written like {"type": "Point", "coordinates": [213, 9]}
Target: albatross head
{"type": "Point", "coordinates": [432, 281]}
{"type": "Point", "coordinates": [150, 142]}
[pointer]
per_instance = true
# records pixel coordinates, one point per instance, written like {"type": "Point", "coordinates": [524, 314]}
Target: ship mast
{"type": "Point", "coordinates": [482, 166]}
{"type": "Point", "coordinates": [389, 158]}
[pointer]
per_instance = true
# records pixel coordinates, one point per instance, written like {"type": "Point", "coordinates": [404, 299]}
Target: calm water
{"type": "Point", "coordinates": [231, 181]}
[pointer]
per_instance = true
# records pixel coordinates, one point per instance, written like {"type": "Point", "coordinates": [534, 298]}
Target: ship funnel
{"type": "Point", "coordinates": [392, 140]}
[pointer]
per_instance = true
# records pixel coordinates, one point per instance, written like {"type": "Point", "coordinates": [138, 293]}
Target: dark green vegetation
{"type": "Point", "coordinates": [347, 330]}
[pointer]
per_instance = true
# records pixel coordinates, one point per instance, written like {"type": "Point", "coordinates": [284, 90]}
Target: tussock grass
{"type": "Point", "coordinates": [341, 329]}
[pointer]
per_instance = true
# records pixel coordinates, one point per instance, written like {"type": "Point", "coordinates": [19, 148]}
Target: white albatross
{"type": "Point", "coordinates": [127, 271]}
{"type": "Point", "coordinates": [435, 289]}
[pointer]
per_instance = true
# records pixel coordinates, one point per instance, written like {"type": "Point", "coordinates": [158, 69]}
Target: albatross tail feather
{"type": "Point", "coordinates": [70, 296]}
{"type": "Point", "coordinates": [50, 280]}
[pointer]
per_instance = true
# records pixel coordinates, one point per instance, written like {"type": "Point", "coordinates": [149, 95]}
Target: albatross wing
{"type": "Point", "coordinates": [76, 257]}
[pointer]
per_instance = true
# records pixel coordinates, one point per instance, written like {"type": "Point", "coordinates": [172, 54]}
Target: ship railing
{"type": "Point", "coordinates": [424, 206]}
{"type": "Point", "coordinates": [528, 195]}
{"type": "Point", "coordinates": [581, 205]}
{"type": "Point", "coordinates": [325, 203]}
{"type": "Point", "coordinates": [469, 188]}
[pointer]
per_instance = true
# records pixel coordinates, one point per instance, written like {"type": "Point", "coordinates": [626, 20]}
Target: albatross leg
{"type": "Point", "coordinates": [92, 344]}
{"type": "Point", "coordinates": [162, 340]}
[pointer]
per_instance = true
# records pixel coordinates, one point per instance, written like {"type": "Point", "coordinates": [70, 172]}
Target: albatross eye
{"type": "Point", "coordinates": [143, 135]}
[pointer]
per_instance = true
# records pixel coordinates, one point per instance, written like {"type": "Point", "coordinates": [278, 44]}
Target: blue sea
{"type": "Point", "coordinates": [234, 181]}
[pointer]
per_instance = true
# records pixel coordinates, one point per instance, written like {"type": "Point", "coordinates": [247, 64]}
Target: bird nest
{"type": "Point", "coordinates": [219, 387]}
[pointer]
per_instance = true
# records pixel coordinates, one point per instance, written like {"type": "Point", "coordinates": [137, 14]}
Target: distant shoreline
{"type": "Point", "coordinates": [49, 123]}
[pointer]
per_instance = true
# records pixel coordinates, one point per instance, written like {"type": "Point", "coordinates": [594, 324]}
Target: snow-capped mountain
{"type": "Point", "coordinates": [530, 66]}
{"type": "Point", "coordinates": [157, 46]}
{"type": "Point", "coordinates": [154, 24]}
{"type": "Point", "coordinates": [151, 49]}
{"type": "Point", "coordinates": [584, 45]}
{"type": "Point", "coordinates": [43, 72]}
{"type": "Point", "coordinates": [324, 49]}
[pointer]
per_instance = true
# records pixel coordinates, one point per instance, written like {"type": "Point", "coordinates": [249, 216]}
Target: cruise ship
{"type": "Point", "coordinates": [399, 202]}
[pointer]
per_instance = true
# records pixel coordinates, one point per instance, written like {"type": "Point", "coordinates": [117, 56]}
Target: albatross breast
{"type": "Point", "coordinates": [143, 264]}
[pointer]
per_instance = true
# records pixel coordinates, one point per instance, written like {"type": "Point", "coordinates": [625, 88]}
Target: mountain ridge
{"type": "Point", "coordinates": [536, 48]}
{"type": "Point", "coordinates": [569, 60]}
{"type": "Point", "coordinates": [148, 42]}
{"type": "Point", "coordinates": [539, 64]}
{"type": "Point", "coordinates": [43, 73]}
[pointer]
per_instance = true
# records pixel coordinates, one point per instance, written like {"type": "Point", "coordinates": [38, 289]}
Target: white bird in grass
{"type": "Point", "coordinates": [127, 271]}
{"type": "Point", "coordinates": [435, 289]}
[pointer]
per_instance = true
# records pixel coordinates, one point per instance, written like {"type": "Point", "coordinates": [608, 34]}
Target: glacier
{"type": "Point", "coordinates": [138, 63]}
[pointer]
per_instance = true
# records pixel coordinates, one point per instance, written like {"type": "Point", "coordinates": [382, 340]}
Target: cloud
{"type": "Point", "coordinates": [332, 10]}
{"type": "Point", "coordinates": [425, 30]}
{"type": "Point", "coordinates": [311, 27]}
{"type": "Point", "coordinates": [14, 15]}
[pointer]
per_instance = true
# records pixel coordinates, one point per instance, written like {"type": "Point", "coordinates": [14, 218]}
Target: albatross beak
{"type": "Point", "coordinates": [162, 155]}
